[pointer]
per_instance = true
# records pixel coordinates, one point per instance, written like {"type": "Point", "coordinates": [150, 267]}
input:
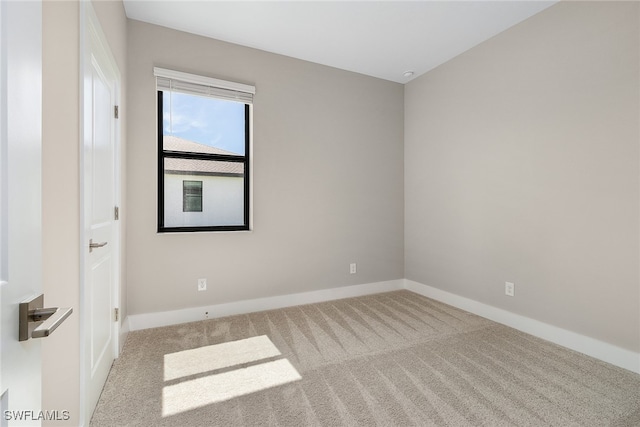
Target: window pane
{"type": "Point", "coordinates": [217, 188]}
{"type": "Point", "coordinates": [192, 196]}
{"type": "Point", "coordinates": [202, 125]}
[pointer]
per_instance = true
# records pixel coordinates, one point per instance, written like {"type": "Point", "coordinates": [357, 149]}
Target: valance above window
{"type": "Point", "coordinates": [192, 84]}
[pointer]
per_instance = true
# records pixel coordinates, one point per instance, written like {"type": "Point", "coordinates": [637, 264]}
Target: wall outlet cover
{"type": "Point", "coordinates": [509, 289]}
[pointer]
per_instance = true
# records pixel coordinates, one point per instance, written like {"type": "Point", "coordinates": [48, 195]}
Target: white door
{"type": "Point", "coordinates": [101, 86]}
{"type": "Point", "coordinates": [20, 204]}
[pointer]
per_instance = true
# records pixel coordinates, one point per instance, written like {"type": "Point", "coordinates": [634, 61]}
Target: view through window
{"type": "Point", "coordinates": [202, 163]}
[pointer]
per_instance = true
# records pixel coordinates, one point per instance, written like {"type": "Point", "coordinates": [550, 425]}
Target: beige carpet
{"type": "Point", "coordinates": [392, 359]}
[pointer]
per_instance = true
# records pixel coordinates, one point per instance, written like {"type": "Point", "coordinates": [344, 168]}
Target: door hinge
{"type": "Point", "coordinates": [116, 311]}
{"type": "Point", "coordinates": [115, 111]}
{"type": "Point", "coordinates": [116, 213]}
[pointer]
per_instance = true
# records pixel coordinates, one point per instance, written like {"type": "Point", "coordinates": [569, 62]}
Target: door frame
{"type": "Point", "coordinates": [93, 41]}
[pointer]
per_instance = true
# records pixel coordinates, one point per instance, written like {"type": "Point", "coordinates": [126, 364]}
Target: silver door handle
{"type": "Point", "coordinates": [93, 246]}
{"type": "Point", "coordinates": [52, 317]}
{"type": "Point", "coordinates": [38, 322]}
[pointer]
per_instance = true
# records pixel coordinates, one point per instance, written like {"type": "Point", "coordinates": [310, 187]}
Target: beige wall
{"type": "Point", "coordinates": [61, 188]}
{"type": "Point", "coordinates": [328, 179]}
{"type": "Point", "coordinates": [521, 164]}
{"type": "Point", "coordinates": [60, 203]}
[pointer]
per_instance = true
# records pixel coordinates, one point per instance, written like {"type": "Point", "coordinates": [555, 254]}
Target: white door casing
{"type": "Point", "coordinates": [20, 204]}
{"type": "Point", "coordinates": [100, 183]}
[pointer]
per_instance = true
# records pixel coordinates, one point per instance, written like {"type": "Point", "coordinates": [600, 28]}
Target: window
{"type": "Point", "coordinates": [203, 153]}
{"type": "Point", "coordinates": [191, 196]}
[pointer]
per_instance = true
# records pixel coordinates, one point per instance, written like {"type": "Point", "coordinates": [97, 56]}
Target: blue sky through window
{"type": "Point", "coordinates": [208, 121]}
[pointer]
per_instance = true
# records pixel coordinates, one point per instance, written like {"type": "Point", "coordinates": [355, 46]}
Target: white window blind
{"type": "Point", "coordinates": [193, 84]}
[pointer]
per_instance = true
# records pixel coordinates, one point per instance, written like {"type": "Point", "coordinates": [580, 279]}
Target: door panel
{"type": "Point", "coordinates": [100, 92]}
{"type": "Point", "coordinates": [101, 326]}
{"type": "Point", "coordinates": [20, 202]}
{"type": "Point", "coordinates": [101, 225]}
{"type": "Point", "coordinates": [102, 150]}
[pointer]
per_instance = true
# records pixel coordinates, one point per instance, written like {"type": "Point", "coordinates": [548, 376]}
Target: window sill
{"type": "Point", "coordinates": [196, 232]}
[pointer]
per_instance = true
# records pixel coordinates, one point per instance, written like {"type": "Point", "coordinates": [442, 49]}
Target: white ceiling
{"type": "Point", "coordinates": [380, 39]}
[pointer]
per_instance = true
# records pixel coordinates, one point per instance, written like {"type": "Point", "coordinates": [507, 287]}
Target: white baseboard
{"type": "Point", "coordinates": [153, 320]}
{"type": "Point", "coordinates": [592, 347]}
{"type": "Point", "coordinates": [609, 353]}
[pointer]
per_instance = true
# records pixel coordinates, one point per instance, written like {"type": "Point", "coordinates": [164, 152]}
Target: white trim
{"type": "Point", "coordinates": [166, 318]}
{"type": "Point", "coordinates": [124, 332]}
{"type": "Point", "coordinates": [601, 350]}
{"type": "Point", "coordinates": [202, 80]}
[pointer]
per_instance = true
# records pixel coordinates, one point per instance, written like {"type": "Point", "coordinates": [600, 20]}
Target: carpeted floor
{"type": "Point", "coordinates": [392, 359]}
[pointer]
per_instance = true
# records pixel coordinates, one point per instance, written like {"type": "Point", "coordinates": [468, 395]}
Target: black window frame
{"type": "Point", "coordinates": [166, 154]}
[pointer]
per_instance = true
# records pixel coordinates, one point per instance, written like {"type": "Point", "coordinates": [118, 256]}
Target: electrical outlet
{"type": "Point", "coordinates": [353, 268]}
{"type": "Point", "coordinates": [206, 314]}
{"type": "Point", "coordinates": [202, 284]}
{"type": "Point", "coordinates": [509, 289]}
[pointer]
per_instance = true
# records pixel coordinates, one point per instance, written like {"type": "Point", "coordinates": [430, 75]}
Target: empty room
{"type": "Point", "coordinates": [221, 213]}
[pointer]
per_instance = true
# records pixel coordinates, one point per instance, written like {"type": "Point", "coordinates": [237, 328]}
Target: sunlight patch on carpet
{"type": "Point", "coordinates": [218, 387]}
{"type": "Point", "coordinates": [205, 359]}
{"type": "Point", "coordinates": [193, 394]}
